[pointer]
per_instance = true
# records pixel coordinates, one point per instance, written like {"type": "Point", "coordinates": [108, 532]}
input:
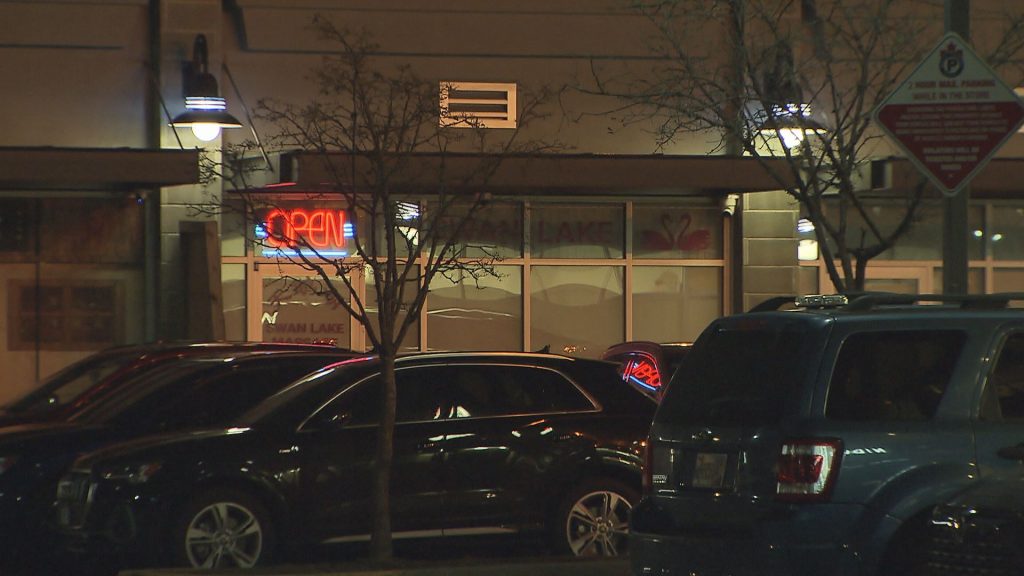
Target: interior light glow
{"type": "Point", "coordinates": [807, 250]}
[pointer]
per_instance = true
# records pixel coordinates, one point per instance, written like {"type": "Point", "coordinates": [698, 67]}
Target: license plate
{"type": "Point", "coordinates": [709, 470]}
{"type": "Point", "coordinates": [67, 491]}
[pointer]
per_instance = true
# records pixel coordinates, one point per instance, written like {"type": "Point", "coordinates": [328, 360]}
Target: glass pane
{"type": "Point", "coordinates": [1008, 378]}
{"type": "Point", "coordinates": [93, 230]}
{"type": "Point", "coordinates": [304, 310]}
{"type": "Point", "coordinates": [921, 240]}
{"type": "Point", "coordinates": [892, 375]}
{"type": "Point", "coordinates": [477, 315]}
{"type": "Point", "coordinates": [404, 229]}
{"type": "Point", "coordinates": [577, 231]}
{"type": "Point", "coordinates": [807, 276]}
{"type": "Point", "coordinates": [1008, 280]}
{"type": "Point", "coordinates": [975, 280]}
{"type": "Point", "coordinates": [676, 232]}
{"type": "Point", "coordinates": [233, 287]}
{"type": "Point", "coordinates": [232, 236]}
{"type": "Point", "coordinates": [896, 285]}
{"type": "Point", "coordinates": [674, 304]}
{"type": "Point", "coordinates": [495, 230]}
{"type": "Point", "coordinates": [723, 387]}
{"type": "Point", "coordinates": [411, 341]}
{"type": "Point", "coordinates": [18, 229]}
{"type": "Point", "coordinates": [577, 310]}
{"type": "Point", "coordinates": [1006, 237]}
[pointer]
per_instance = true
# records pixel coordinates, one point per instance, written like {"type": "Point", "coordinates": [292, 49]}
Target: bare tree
{"type": "Point", "coordinates": [797, 79]}
{"type": "Point", "coordinates": [409, 177]}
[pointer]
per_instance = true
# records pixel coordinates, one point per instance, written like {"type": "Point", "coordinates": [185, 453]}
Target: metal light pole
{"type": "Point", "coordinates": [954, 217]}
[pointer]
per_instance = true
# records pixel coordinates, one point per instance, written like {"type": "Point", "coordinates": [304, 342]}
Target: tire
{"type": "Point", "coordinates": [223, 528]}
{"type": "Point", "coordinates": [593, 519]}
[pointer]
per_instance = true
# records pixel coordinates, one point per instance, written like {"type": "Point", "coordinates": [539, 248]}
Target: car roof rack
{"type": "Point", "coordinates": [860, 301]}
{"type": "Point", "coordinates": [997, 301]}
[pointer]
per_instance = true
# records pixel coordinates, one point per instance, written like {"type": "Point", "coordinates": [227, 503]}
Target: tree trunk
{"type": "Point", "coordinates": [380, 540]}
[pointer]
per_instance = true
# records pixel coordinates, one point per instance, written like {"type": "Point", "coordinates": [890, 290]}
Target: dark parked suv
{"type": "Point", "coordinates": [485, 443]}
{"type": "Point", "coordinates": [818, 440]}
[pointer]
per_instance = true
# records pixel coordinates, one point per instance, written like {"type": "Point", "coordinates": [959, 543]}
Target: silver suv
{"type": "Point", "coordinates": [818, 440]}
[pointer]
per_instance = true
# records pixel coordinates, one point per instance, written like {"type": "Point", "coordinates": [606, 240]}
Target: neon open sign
{"type": "Point", "coordinates": [288, 231]}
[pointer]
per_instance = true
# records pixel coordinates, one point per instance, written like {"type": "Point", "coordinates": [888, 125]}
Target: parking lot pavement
{"type": "Point", "coordinates": [497, 567]}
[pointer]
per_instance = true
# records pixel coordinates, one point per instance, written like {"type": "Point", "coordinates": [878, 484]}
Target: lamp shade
{"type": "Point", "coordinates": [205, 111]}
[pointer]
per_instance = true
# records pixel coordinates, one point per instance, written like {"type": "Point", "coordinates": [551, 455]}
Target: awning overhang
{"type": "Point", "coordinates": [583, 174]}
{"type": "Point", "coordinates": [999, 178]}
{"type": "Point", "coordinates": [96, 168]}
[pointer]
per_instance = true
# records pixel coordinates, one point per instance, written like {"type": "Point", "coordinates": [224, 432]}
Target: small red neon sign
{"type": "Point", "coordinates": [643, 370]}
{"type": "Point", "coordinates": [319, 228]}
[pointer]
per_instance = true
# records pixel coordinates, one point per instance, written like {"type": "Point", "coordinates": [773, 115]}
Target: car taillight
{"type": "Point", "coordinates": [648, 467]}
{"type": "Point", "coordinates": [806, 469]}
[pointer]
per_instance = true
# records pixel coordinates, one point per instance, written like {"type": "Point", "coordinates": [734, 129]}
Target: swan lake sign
{"type": "Point", "coordinates": [951, 114]}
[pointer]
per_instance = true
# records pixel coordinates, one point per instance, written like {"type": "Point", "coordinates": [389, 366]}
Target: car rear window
{"type": "Point", "coordinates": [738, 375]}
{"type": "Point", "coordinates": [892, 375]}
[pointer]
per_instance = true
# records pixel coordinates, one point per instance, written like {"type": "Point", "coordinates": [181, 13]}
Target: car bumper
{"type": "Point", "coordinates": [798, 541]}
{"type": "Point", "coordinates": [126, 525]}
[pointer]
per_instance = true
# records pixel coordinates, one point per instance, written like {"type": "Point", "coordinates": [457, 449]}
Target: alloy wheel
{"type": "Point", "coordinates": [598, 524]}
{"type": "Point", "coordinates": [224, 534]}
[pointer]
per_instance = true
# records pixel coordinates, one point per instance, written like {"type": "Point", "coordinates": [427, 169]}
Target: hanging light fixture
{"type": "Point", "coordinates": [205, 110]}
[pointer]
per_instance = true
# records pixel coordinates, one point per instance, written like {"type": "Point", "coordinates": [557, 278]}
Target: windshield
{"type": "Point", "coordinates": [66, 386]}
{"type": "Point", "coordinates": [738, 374]}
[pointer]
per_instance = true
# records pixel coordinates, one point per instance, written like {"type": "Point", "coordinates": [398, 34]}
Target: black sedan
{"type": "Point", "coordinates": [191, 392]}
{"type": "Point", "coordinates": [485, 443]}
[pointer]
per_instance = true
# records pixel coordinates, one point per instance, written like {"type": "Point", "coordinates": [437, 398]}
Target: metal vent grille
{"type": "Point", "coordinates": [478, 105]}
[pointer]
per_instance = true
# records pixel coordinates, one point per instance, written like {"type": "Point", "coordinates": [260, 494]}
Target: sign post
{"type": "Point", "coordinates": [949, 117]}
{"type": "Point", "coordinates": [951, 114]}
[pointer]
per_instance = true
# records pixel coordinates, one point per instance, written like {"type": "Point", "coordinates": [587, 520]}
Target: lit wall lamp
{"type": "Point", "coordinates": [205, 110]}
{"type": "Point", "coordinates": [790, 122]}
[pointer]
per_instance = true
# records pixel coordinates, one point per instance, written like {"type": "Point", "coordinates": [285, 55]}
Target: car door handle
{"type": "Point", "coordinates": [1012, 452]}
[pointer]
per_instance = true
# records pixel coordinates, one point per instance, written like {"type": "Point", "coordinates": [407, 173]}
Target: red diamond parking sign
{"type": "Point", "coordinates": [951, 114]}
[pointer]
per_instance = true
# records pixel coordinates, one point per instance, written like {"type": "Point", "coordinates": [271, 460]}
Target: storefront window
{"type": "Point", "coordinates": [304, 310]}
{"type": "Point", "coordinates": [674, 304]}
{"type": "Point", "coordinates": [1006, 235]}
{"type": "Point", "coordinates": [666, 231]}
{"type": "Point", "coordinates": [411, 341]}
{"type": "Point", "coordinates": [922, 241]}
{"type": "Point", "coordinates": [484, 314]}
{"type": "Point", "coordinates": [577, 231]}
{"type": "Point", "coordinates": [577, 310]}
{"type": "Point", "coordinates": [494, 230]}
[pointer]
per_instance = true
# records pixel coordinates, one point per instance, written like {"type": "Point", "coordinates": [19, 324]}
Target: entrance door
{"type": "Point", "coordinates": [295, 306]}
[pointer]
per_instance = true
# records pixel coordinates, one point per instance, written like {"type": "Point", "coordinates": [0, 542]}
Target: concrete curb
{"type": "Point", "coordinates": [500, 567]}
